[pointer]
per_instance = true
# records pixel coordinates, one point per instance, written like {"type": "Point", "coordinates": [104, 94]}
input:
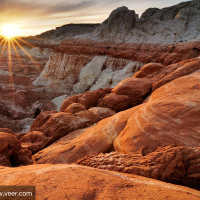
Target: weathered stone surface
{"type": "Point", "coordinates": [182, 70]}
{"type": "Point", "coordinates": [34, 141]}
{"type": "Point", "coordinates": [96, 139]}
{"type": "Point", "coordinates": [80, 182]}
{"type": "Point", "coordinates": [69, 101]}
{"type": "Point", "coordinates": [75, 108]}
{"type": "Point", "coordinates": [11, 151]}
{"type": "Point", "coordinates": [116, 102]}
{"type": "Point", "coordinates": [50, 126]}
{"type": "Point", "coordinates": [169, 25]}
{"type": "Point", "coordinates": [135, 88]}
{"type": "Point", "coordinates": [119, 24]}
{"type": "Point", "coordinates": [170, 116]}
{"type": "Point", "coordinates": [7, 130]}
{"type": "Point", "coordinates": [88, 99]}
{"type": "Point", "coordinates": [180, 165]}
{"type": "Point", "coordinates": [149, 70]}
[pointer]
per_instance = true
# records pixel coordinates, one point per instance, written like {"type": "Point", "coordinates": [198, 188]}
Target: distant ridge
{"type": "Point", "coordinates": [68, 31]}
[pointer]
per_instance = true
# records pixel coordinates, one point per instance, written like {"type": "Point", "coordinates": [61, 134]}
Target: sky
{"type": "Point", "coordinates": [33, 17]}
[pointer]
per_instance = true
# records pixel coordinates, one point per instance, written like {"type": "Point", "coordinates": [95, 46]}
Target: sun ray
{"type": "Point", "coordinates": [38, 38]}
{"type": "Point", "coordinates": [29, 44]}
{"type": "Point", "coordinates": [27, 54]}
{"type": "Point", "coordinates": [5, 42]}
{"type": "Point", "coordinates": [11, 81]}
{"type": "Point", "coordinates": [16, 53]}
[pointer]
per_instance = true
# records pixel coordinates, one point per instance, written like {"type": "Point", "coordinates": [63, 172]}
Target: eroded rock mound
{"type": "Point", "coordinates": [180, 165]}
{"type": "Point", "coordinates": [170, 116]}
{"type": "Point", "coordinates": [80, 182]}
{"type": "Point", "coordinates": [50, 126]}
{"type": "Point", "coordinates": [128, 93]}
{"type": "Point", "coordinates": [95, 139]}
{"type": "Point", "coordinates": [11, 151]}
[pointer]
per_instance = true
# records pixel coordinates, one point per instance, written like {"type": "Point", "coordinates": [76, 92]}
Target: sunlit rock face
{"type": "Point", "coordinates": [51, 70]}
{"type": "Point", "coordinates": [80, 182]}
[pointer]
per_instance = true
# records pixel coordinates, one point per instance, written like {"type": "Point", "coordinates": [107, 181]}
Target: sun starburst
{"type": "Point", "coordinates": [9, 31]}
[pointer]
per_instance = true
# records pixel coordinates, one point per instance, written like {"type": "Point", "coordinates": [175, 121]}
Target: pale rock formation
{"type": "Point", "coordinates": [58, 101]}
{"type": "Point", "coordinates": [79, 73]}
{"type": "Point", "coordinates": [62, 71]}
{"type": "Point", "coordinates": [89, 74]}
{"type": "Point", "coordinates": [119, 24]}
{"type": "Point", "coordinates": [110, 77]}
{"type": "Point", "coordinates": [178, 23]}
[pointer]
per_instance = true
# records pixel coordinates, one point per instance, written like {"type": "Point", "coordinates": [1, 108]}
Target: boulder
{"type": "Point", "coordinates": [7, 130]}
{"type": "Point", "coordinates": [184, 69]}
{"type": "Point", "coordinates": [51, 126]}
{"type": "Point", "coordinates": [88, 99]}
{"type": "Point", "coordinates": [34, 141]}
{"type": "Point", "coordinates": [68, 101]}
{"type": "Point", "coordinates": [170, 116]}
{"type": "Point", "coordinates": [11, 151]}
{"type": "Point", "coordinates": [137, 89]}
{"type": "Point", "coordinates": [149, 70]}
{"type": "Point", "coordinates": [96, 139]}
{"type": "Point", "coordinates": [116, 102]}
{"type": "Point", "coordinates": [80, 182]}
{"type": "Point", "coordinates": [180, 165]}
{"type": "Point", "coordinates": [75, 108]}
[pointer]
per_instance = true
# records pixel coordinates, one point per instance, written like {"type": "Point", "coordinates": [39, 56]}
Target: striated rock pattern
{"type": "Point", "coordinates": [170, 116]}
{"type": "Point", "coordinates": [79, 182]}
{"type": "Point", "coordinates": [180, 165]}
{"type": "Point", "coordinates": [11, 151]}
{"type": "Point", "coordinates": [96, 139]}
{"type": "Point", "coordinates": [50, 126]}
{"type": "Point", "coordinates": [76, 72]}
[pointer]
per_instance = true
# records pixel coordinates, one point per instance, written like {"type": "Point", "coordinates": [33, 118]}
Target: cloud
{"type": "Point", "coordinates": [42, 15]}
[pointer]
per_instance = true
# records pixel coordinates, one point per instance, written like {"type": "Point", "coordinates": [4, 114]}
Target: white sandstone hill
{"type": "Point", "coordinates": [178, 23]}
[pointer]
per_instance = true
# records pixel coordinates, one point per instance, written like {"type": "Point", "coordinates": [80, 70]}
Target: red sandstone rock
{"type": "Point", "coordinates": [51, 126]}
{"type": "Point", "coordinates": [116, 102]}
{"type": "Point", "coordinates": [149, 70]}
{"type": "Point", "coordinates": [169, 117]}
{"type": "Point", "coordinates": [146, 53]}
{"type": "Point", "coordinates": [7, 130]}
{"type": "Point", "coordinates": [180, 165]}
{"type": "Point", "coordinates": [79, 182]}
{"type": "Point", "coordinates": [75, 108]}
{"type": "Point", "coordinates": [88, 99]}
{"type": "Point", "coordinates": [34, 141]}
{"type": "Point", "coordinates": [11, 151]}
{"type": "Point", "coordinates": [68, 101]}
{"type": "Point", "coordinates": [133, 87]}
{"type": "Point", "coordinates": [185, 69]}
{"type": "Point", "coordinates": [96, 139]}
{"type": "Point", "coordinates": [137, 89]}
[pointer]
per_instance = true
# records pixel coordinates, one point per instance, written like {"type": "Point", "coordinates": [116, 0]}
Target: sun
{"type": "Point", "coordinates": [9, 31]}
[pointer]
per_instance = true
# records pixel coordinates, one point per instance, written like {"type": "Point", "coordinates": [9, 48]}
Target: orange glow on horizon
{"type": "Point", "coordinates": [9, 31]}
